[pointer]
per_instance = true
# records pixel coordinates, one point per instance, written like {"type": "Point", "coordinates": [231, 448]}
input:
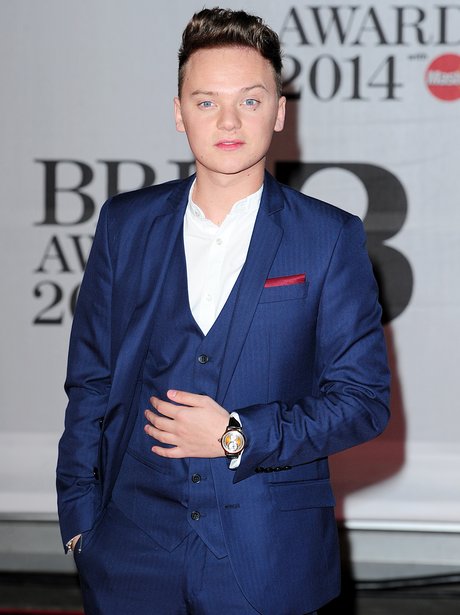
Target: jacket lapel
{"type": "Point", "coordinates": [264, 245]}
{"type": "Point", "coordinates": [152, 269]}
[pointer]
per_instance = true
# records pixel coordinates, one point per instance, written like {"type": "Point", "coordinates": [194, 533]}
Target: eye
{"type": "Point", "coordinates": [206, 104]}
{"type": "Point", "coordinates": [251, 102]}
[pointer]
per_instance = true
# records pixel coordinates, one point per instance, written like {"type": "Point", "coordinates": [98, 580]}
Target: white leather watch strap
{"type": "Point", "coordinates": [234, 463]}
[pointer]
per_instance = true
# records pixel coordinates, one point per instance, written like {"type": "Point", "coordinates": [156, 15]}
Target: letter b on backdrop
{"type": "Point", "coordinates": [385, 216]}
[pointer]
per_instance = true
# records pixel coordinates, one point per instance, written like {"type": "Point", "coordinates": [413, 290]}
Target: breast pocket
{"type": "Point", "coordinates": [284, 293]}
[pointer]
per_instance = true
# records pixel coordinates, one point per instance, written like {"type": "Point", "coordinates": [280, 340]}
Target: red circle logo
{"type": "Point", "coordinates": [442, 77]}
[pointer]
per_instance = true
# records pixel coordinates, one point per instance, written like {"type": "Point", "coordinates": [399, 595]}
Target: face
{"type": "Point", "coordinates": [229, 109]}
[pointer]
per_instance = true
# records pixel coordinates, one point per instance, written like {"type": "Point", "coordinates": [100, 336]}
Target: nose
{"type": "Point", "coordinates": [228, 119]}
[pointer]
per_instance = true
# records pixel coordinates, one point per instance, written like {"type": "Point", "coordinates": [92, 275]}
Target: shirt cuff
{"type": "Point", "coordinates": [235, 463]}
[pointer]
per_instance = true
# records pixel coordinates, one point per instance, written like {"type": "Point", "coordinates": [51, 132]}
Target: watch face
{"type": "Point", "coordinates": [233, 441]}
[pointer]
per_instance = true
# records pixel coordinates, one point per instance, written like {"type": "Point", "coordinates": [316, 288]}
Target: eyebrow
{"type": "Point", "coordinates": [243, 90]}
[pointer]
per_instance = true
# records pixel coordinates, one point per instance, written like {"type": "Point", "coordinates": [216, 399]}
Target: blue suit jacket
{"type": "Point", "coordinates": [304, 365]}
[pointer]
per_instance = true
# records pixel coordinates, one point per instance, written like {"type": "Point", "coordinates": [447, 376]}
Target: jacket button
{"type": "Point", "coordinates": [195, 515]}
{"type": "Point", "coordinates": [203, 358]}
{"type": "Point", "coordinates": [196, 478]}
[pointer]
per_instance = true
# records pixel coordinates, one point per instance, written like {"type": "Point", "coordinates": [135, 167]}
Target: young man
{"type": "Point", "coordinates": [227, 339]}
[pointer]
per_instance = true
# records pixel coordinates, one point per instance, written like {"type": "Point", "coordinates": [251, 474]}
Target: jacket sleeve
{"type": "Point", "coordinates": [87, 386]}
{"type": "Point", "coordinates": [350, 402]}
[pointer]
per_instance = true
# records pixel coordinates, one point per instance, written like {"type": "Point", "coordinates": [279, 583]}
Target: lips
{"type": "Point", "coordinates": [229, 145]}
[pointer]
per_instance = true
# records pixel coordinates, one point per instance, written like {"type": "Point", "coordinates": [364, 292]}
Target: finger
{"type": "Point", "coordinates": [186, 399]}
{"type": "Point", "coordinates": [162, 436]}
{"type": "Point", "coordinates": [149, 415]}
{"type": "Point", "coordinates": [171, 453]}
{"type": "Point", "coordinates": [161, 424]}
{"type": "Point", "coordinates": [157, 402]}
{"type": "Point", "coordinates": [158, 420]}
{"type": "Point", "coordinates": [163, 407]}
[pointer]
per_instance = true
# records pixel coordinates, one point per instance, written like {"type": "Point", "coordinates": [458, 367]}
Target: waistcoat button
{"type": "Point", "coordinates": [203, 358]}
{"type": "Point", "coordinates": [196, 478]}
{"type": "Point", "coordinates": [195, 515]}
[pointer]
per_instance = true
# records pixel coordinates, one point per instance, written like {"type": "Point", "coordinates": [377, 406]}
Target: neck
{"type": "Point", "coordinates": [216, 195]}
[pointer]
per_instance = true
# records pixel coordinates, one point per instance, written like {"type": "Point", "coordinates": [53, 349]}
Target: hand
{"type": "Point", "coordinates": [74, 541]}
{"type": "Point", "coordinates": [193, 425]}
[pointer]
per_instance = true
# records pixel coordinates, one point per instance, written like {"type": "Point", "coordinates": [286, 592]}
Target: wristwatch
{"type": "Point", "coordinates": [233, 440]}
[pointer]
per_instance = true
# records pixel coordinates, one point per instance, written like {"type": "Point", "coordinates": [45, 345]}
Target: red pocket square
{"type": "Point", "coordinates": [285, 280]}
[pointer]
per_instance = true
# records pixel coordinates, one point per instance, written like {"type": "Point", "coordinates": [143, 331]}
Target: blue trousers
{"type": "Point", "coordinates": [123, 572]}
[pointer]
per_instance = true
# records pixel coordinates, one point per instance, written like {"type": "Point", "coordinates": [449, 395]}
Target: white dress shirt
{"type": "Point", "coordinates": [215, 255]}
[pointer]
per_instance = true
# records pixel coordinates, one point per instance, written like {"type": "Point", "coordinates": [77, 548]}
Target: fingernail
{"type": "Point", "coordinates": [172, 393]}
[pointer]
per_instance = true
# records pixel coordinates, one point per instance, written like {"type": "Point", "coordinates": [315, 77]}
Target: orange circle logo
{"type": "Point", "coordinates": [442, 77]}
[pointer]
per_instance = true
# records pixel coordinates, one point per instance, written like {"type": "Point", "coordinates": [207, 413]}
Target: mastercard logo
{"type": "Point", "coordinates": [442, 77]}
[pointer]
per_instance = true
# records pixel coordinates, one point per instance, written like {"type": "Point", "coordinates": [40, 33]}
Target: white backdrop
{"type": "Point", "coordinates": [87, 84]}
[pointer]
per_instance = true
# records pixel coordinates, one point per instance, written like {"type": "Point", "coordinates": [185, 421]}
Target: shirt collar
{"type": "Point", "coordinates": [249, 203]}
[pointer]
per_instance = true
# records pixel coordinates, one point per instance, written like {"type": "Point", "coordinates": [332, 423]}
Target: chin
{"type": "Point", "coordinates": [235, 169]}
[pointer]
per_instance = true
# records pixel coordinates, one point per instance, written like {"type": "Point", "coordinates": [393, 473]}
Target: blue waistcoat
{"type": "Point", "coordinates": [169, 498]}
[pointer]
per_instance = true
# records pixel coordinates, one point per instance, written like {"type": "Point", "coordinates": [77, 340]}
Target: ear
{"type": "Point", "coordinates": [279, 123]}
{"type": "Point", "coordinates": [178, 115]}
